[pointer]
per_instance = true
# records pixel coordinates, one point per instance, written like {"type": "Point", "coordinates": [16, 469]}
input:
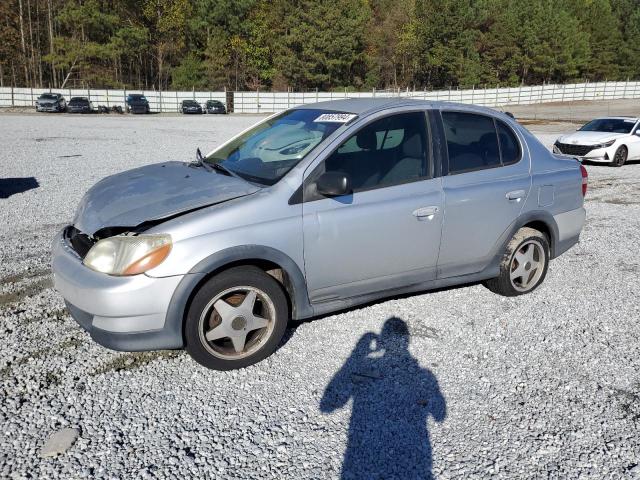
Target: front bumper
{"type": "Point", "coordinates": [121, 313]}
{"type": "Point", "coordinates": [47, 108]}
{"type": "Point", "coordinates": [604, 154]}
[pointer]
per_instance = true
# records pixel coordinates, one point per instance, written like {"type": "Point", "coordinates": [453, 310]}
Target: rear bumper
{"type": "Point", "coordinates": [569, 227]}
{"type": "Point", "coordinates": [138, 108]}
{"type": "Point", "coordinates": [121, 313]}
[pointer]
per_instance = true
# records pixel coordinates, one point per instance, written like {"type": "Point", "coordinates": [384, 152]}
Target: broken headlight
{"type": "Point", "coordinates": [128, 255]}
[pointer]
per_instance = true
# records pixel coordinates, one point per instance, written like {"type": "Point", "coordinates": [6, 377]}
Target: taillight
{"type": "Point", "coordinates": [585, 179]}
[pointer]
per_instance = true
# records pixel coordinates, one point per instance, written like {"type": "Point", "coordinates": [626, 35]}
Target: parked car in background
{"type": "Point", "coordinates": [137, 103]}
{"type": "Point", "coordinates": [612, 140]}
{"type": "Point", "coordinates": [80, 105]}
{"type": "Point", "coordinates": [313, 210]}
{"type": "Point", "coordinates": [191, 106]}
{"type": "Point", "coordinates": [51, 102]}
{"type": "Point", "coordinates": [215, 106]}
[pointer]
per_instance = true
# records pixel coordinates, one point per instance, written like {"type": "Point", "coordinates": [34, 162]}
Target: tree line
{"type": "Point", "coordinates": [309, 44]}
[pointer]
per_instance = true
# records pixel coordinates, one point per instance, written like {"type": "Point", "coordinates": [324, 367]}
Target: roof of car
{"type": "Point", "coordinates": [360, 106]}
{"type": "Point", "coordinates": [353, 105]}
{"type": "Point", "coordinates": [635, 119]}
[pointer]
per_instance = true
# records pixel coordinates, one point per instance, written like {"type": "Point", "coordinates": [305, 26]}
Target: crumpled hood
{"type": "Point", "coordinates": [589, 138]}
{"type": "Point", "coordinates": [154, 192]}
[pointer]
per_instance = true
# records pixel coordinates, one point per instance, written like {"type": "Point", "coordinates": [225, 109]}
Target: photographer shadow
{"type": "Point", "coordinates": [393, 397]}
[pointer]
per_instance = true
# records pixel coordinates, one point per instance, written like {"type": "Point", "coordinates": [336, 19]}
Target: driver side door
{"type": "Point", "coordinates": [385, 234]}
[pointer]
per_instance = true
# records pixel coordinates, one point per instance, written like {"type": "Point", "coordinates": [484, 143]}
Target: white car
{"type": "Point", "coordinates": [613, 140]}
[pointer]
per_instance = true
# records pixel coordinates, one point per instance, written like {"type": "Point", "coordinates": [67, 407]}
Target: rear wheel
{"type": "Point", "coordinates": [620, 157]}
{"type": "Point", "coordinates": [524, 264]}
{"type": "Point", "coordinates": [236, 319]}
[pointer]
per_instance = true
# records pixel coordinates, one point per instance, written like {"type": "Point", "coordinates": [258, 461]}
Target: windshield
{"type": "Point", "coordinates": [610, 125]}
{"type": "Point", "coordinates": [49, 96]}
{"type": "Point", "coordinates": [137, 97]}
{"type": "Point", "coordinates": [79, 100]}
{"type": "Point", "coordinates": [266, 152]}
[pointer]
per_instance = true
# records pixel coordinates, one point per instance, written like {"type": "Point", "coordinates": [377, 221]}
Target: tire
{"type": "Point", "coordinates": [620, 157]}
{"type": "Point", "coordinates": [222, 306]}
{"type": "Point", "coordinates": [527, 254]}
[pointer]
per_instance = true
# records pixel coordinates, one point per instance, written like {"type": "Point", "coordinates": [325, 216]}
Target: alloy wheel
{"type": "Point", "coordinates": [527, 266]}
{"type": "Point", "coordinates": [620, 157]}
{"type": "Point", "coordinates": [237, 322]}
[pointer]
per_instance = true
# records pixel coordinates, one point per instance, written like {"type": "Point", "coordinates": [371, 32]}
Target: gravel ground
{"type": "Point", "coordinates": [460, 382]}
{"type": "Point", "coordinates": [580, 112]}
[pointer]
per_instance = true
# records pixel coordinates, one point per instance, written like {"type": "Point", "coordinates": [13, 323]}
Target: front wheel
{"type": "Point", "coordinates": [236, 319]}
{"type": "Point", "coordinates": [524, 264]}
{"type": "Point", "coordinates": [620, 157]}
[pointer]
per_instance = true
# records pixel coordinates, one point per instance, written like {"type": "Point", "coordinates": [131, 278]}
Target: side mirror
{"type": "Point", "coordinates": [333, 184]}
{"type": "Point", "coordinates": [638, 132]}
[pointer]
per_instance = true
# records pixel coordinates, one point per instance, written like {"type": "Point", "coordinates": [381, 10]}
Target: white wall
{"type": "Point", "coordinates": [266, 102]}
{"type": "Point", "coordinates": [158, 101]}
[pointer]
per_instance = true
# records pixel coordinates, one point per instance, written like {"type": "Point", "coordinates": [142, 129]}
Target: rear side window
{"type": "Point", "coordinates": [476, 142]}
{"type": "Point", "coordinates": [509, 145]}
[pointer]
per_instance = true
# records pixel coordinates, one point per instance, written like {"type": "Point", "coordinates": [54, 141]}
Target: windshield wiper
{"type": "Point", "coordinates": [220, 168]}
{"type": "Point", "coordinates": [199, 161]}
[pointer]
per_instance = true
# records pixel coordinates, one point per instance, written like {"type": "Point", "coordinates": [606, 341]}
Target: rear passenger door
{"type": "Point", "coordinates": [386, 233]}
{"type": "Point", "coordinates": [485, 183]}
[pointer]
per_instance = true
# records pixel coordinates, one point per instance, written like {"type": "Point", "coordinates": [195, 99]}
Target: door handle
{"type": "Point", "coordinates": [425, 212]}
{"type": "Point", "coordinates": [516, 195]}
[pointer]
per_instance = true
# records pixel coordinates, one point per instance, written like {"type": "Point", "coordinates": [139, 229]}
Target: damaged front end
{"type": "Point", "coordinates": [132, 202]}
{"type": "Point", "coordinates": [137, 199]}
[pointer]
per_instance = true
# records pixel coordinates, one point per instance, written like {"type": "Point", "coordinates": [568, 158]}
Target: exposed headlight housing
{"type": "Point", "coordinates": [128, 255]}
{"type": "Point", "coordinates": [606, 144]}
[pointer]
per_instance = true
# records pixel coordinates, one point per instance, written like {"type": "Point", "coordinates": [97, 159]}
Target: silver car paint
{"type": "Point", "coordinates": [119, 304]}
{"type": "Point", "coordinates": [344, 249]}
{"type": "Point", "coordinates": [154, 192]}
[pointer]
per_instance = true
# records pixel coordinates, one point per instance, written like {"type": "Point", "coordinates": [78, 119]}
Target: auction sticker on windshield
{"type": "Point", "coordinates": [335, 117]}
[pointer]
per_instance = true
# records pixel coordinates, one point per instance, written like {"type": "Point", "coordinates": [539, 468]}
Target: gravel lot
{"type": "Point", "coordinates": [469, 384]}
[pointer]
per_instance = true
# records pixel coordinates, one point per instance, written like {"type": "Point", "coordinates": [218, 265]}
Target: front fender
{"type": "Point", "coordinates": [183, 294]}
